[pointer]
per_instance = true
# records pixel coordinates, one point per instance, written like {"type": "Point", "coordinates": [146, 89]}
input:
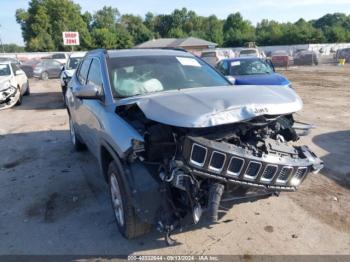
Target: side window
{"type": "Point", "coordinates": [223, 67]}
{"type": "Point", "coordinates": [94, 76]}
{"type": "Point", "coordinates": [219, 66]}
{"type": "Point", "coordinates": [83, 71]}
{"type": "Point", "coordinates": [49, 63]}
{"type": "Point", "coordinates": [58, 56]}
{"type": "Point", "coordinates": [14, 68]}
{"type": "Point", "coordinates": [56, 64]}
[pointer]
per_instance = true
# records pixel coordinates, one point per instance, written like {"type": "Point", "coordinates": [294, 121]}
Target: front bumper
{"type": "Point", "coordinates": [232, 164]}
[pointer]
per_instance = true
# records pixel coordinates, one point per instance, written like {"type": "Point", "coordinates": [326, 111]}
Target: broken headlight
{"type": "Point", "coordinates": [6, 91]}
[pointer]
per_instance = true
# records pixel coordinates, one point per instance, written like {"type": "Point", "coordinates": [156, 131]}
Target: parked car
{"type": "Point", "coordinates": [69, 69]}
{"type": "Point", "coordinates": [251, 71]}
{"type": "Point", "coordinates": [343, 54]}
{"type": "Point", "coordinates": [11, 59]}
{"type": "Point", "coordinates": [174, 138]}
{"type": "Point", "coordinates": [251, 52]}
{"type": "Point", "coordinates": [13, 84]}
{"type": "Point", "coordinates": [281, 59]}
{"type": "Point", "coordinates": [306, 57]}
{"type": "Point", "coordinates": [47, 68]}
{"type": "Point", "coordinates": [212, 57]}
{"type": "Point", "coordinates": [28, 66]}
{"type": "Point", "coordinates": [60, 57]}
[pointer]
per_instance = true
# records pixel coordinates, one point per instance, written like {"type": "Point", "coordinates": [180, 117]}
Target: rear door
{"type": "Point", "coordinates": [54, 68]}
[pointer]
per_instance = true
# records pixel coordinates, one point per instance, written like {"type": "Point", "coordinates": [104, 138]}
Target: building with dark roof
{"type": "Point", "coordinates": [191, 44]}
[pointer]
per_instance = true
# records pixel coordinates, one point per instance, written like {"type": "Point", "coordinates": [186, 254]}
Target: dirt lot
{"type": "Point", "coordinates": [53, 200]}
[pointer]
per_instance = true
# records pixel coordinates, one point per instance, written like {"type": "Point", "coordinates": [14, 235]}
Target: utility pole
{"type": "Point", "coordinates": [2, 44]}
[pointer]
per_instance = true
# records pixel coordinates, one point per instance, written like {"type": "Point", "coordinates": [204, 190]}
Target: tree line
{"type": "Point", "coordinates": [44, 21]}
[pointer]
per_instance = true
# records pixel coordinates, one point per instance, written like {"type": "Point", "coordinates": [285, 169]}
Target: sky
{"type": "Point", "coordinates": [253, 10]}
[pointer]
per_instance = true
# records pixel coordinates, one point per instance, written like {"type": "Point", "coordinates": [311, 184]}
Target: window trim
{"type": "Point", "coordinates": [103, 95]}
{"type": "Point", "coordinates": [80, 66]}
{"type": "Point", "coordinates": [99, 63]}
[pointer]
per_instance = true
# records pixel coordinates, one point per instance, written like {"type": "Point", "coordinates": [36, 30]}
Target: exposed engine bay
{"type": "Point", "coordinates": [200, 168]}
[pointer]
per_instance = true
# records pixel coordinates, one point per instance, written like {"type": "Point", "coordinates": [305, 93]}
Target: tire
{"type": "Point", "coordinates": [127, 221]}
{"type": "Point", "coordinates": [77, 143]}
{"type": "Point", "coordinates": [19, 101]}
{"type": "Point", "coordinates": [215, 193]}
{"type": "Point", "coordinates": [44, 76]}
{"type": "Point", "coordinates": [27, 93]}
{"type": "Point", "coordinates": [64, 90]}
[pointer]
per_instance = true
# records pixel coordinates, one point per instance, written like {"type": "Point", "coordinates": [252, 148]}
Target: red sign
{"type": "Point", "coordinates": [70, 38]}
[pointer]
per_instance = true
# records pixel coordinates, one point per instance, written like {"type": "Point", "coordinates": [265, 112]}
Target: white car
{"type": "Point", "coordinates": [251, 52]}
{"type": "Point", "coordinates": [13, 84]}
{"type": "Point", "coordinates": [60, 57]}
{"type": "Point", "coordinates": [69, 69]}
{"type": "Point", "coordinates": [214, 56]}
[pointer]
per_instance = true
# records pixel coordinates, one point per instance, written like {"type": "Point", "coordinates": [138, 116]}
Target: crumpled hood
{"type": "Point", "coordinates": [266, 79]}
{"type": "Point", "coordinates": [3, 80]}
{"type": "Point", "coordinates": [212, 106]}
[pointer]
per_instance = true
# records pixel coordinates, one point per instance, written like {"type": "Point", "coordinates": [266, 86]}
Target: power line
{"type": "Point", "coordinates": [2, 44]}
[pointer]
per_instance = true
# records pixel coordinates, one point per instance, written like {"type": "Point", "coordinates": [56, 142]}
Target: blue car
{"type": "Point", "coordinates": [251, 71]}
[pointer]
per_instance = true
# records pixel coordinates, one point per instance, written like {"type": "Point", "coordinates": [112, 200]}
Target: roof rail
{"type": "Point", "coordinates": [175, 48]}
{"type": "Point", "coordinates": [98, 50]}
{"type": "Point", "coordinates": [164, 48]}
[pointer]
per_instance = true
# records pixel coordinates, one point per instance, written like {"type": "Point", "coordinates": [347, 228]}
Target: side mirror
{"type": "Point", "coordinates": [269, 62]}
{"type": "Point", "coordinates": [89, 91]}
{"type": "Point", "coordinates": [231, 79]}
{"type": "Point", "coordinates": [66, 79]}
{"type": "Point", "coordinates": [19, 72]}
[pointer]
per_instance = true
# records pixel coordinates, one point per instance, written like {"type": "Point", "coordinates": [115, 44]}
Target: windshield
{"type": "Point", "coordinates": [250, 67]}
{"type": "Point", "coordinates": [73, 62]}
{"type": "Point", "coordinates": [248, 52]}
{"type": "Point", "coordinates": [208, 54]}
{"type": "Point", "coordinates": [132, 76]}
{"type": "Point", "coordinates": [5, 70]}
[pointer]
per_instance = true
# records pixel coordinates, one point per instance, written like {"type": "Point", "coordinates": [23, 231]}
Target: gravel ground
{"type": "Point", "coordinates": [54, 201]}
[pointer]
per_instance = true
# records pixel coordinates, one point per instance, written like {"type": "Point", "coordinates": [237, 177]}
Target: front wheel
{"type": "Point", "coordinates": [127, 221]}
{"type": "Point", "coordinates": [44, 76]}
{"type": "Point", "coordinates": [27, 93]}
{"type": "Point", "coordinates": [77, 144]}
{"type": "Point", "coordinates": [19, 101]}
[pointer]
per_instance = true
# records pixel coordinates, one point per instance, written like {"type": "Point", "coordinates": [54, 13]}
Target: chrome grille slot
{"type": "Point", "coordinates": [217, 161]}
{"type": "Point", "coordinates": [235, 166]}
{"type": "Point", "coordinates": [284, 175]}
{"type": "Point", "coordinates": [198, 155]}
{"type": "Point", "coordinates": [298, 177]}
{"type": "Point", "coordinates": [252, 170]}
{"type": "Point", "coordinates": [269, 173]}
{"type": "Point", "coordinates": [300, 173]}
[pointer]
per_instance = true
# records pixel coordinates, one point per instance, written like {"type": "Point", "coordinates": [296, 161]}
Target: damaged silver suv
{"type": "Point", "coordinates": [175, 140]}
